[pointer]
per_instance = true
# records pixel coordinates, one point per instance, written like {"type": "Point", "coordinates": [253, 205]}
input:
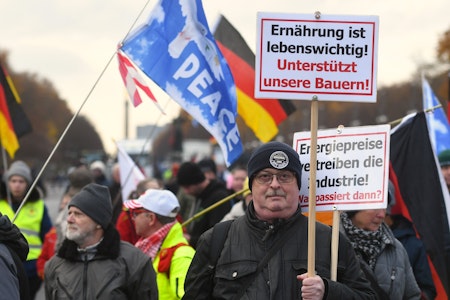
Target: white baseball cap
{"type": "Point", "coordinates": [161, 202]}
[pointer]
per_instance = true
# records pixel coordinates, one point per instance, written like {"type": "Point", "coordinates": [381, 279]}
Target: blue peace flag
{"type": "Point", "coordinates": [177, 51]}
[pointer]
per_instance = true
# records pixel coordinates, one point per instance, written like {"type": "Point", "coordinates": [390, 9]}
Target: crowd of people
{"type": "Point", "coordinates": [159, 244]}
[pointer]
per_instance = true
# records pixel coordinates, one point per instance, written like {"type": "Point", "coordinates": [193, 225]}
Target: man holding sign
{"type": "Point", "coordinates": [264, 253]}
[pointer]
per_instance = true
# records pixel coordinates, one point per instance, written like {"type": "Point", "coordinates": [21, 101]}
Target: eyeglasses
{"type": "Point", "coordinates": [282, 177]}
{"type": "Point", "coordinates": [136, 212]}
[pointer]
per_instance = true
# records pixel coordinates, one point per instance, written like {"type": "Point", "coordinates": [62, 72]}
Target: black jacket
{"type": "Point", "coordinates": [213, 192]}
{"type": "Point", "coordinates": [12, 238]}
{"type": "Point", "coordinates": [248, 241]}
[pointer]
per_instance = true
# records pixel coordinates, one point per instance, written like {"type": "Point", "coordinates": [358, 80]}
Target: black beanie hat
{"type": "Point", "coordinates": [189, 173]}
{"type": "Point", "coordinates": [95, 201]}
{"type": "Point", "coordinates": [274, 155]}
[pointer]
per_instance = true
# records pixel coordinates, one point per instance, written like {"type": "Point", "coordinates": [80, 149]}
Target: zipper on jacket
{"type": "Point", "coordinates": [85, 280]}
{"type": "Point", "coordinates": [269, 231]}
{"type": "Point", "coordinates": [393, 273]}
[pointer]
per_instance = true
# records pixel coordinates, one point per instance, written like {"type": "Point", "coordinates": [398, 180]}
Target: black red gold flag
{"type": "Point", "coordinates": [13, 121]}
{"type": "Point", "coordinates": [262, 115]}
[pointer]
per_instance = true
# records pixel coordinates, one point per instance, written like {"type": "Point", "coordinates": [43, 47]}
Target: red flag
{"type": "Point", "coordinates": [133, 80]}
{"type": "Point", "coordinates": [262, 115]}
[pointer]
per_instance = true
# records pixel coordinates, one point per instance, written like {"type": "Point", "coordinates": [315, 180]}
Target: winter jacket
{"type": "Point", "coordinates": [213, 192]}
{"type": "Point", "coordinates": [48, 250]}
{"type": "Point", "coordinates": [171, 282]}
{"type": "Point", "coordinates": [13, 251]}
{"type": "Point", "coordinates": [247, 242]}
{"type": "Point", "coordinates": [118, 271]}
{"type": "Point", "coordinates": [417, 257]}
{"type": "Point", "coordinates": [393, 272]}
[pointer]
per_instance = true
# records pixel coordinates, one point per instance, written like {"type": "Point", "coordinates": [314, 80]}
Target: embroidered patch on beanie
{"type": "Point", "coordinates": [274, 155]}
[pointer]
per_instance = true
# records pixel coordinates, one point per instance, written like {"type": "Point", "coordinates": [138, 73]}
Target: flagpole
{"type": "Point", "coordinates": [127, 109]}
{"type": "Point", "coordinates": [213, 206]}
{"type": "Point", "coordinates": [5, 166]}
{"type": "Point", "coordinates": [72, 120]}
{"type": "Point", "coordinates": [396, 122]}
{"type": "Point", "coordinates": [141, 153]}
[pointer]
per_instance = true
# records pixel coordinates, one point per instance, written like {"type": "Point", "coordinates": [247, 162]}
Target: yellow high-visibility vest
{"type": "Point", "coordinates": [29, 222]}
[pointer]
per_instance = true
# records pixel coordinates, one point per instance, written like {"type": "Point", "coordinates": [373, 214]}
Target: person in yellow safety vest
{"type": "Point", "coordinates": [154, 214]}
{"type": "Point", "coordinates": [33, 219]}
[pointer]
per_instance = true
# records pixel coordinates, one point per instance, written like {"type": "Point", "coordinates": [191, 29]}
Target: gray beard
{"type": "Point", "coordinates": [76, 236]}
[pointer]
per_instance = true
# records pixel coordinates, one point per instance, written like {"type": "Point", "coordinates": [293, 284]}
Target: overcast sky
{"type": "Point", "coordinates": [70, 43]}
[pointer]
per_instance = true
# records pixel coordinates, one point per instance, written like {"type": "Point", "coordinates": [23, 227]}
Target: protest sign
{"type": "Point", "coordinates": [304, 57]}
{"type": "Point", "coordinates": [352, 168]}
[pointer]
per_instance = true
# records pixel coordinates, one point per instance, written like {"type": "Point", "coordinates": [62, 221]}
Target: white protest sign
{"type": "Point", "coordinates": [333, 58]}
{"type": "Point", "coordinates": [352, 167]}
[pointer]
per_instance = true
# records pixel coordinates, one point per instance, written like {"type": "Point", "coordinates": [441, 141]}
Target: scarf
{"type": "Point", "coordinates": [151, 244]}
{"type": "Point", "coordinates": [367, 244]}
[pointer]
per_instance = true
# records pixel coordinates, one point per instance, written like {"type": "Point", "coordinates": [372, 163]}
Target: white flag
{"type": "Point", "coordinates": [130, 174]}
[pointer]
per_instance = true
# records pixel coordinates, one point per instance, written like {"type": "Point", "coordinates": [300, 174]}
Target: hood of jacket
{"type": "Point", "coordinates": [109, 247]}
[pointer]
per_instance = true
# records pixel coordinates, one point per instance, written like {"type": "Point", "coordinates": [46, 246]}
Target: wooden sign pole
{"type": "Point", "coordinates": [312, 189]}
{"type": "Point", "coordinates": [335, 244]}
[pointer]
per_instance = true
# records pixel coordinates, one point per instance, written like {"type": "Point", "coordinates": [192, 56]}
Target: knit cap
{"type": "Point", "coordinates": [189, 174]}
{"type": "Point", "coordinates": [95, 201]}
{"type": "Point", "coordinates": [274, 155]}
{"type": "Point", "coordinates": [19, 168]}
{"type": "Point", "coordinates": [444, 158]}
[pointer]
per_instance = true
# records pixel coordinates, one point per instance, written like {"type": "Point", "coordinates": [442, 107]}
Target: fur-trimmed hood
{"type": "Point", "coordinates": [109, 247]}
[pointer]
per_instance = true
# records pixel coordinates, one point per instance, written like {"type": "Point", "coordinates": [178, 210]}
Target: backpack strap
{"type": "Point", "coordinates": [165, 258]}
{"type": "Point", "coordinates": [219, 236]}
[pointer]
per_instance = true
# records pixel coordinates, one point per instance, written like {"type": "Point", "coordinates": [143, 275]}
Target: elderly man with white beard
{"type": "Point", "coordinates": [92, 262]}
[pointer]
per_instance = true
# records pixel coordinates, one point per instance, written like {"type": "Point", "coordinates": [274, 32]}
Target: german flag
{"type": "Point", "coordinates": [13, 121]}
{"type": "Point", "coordinates": [262, 115]}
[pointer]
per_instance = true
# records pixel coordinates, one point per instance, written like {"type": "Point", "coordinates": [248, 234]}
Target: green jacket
{"type": "Point", "coordinates": [171, 283]}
